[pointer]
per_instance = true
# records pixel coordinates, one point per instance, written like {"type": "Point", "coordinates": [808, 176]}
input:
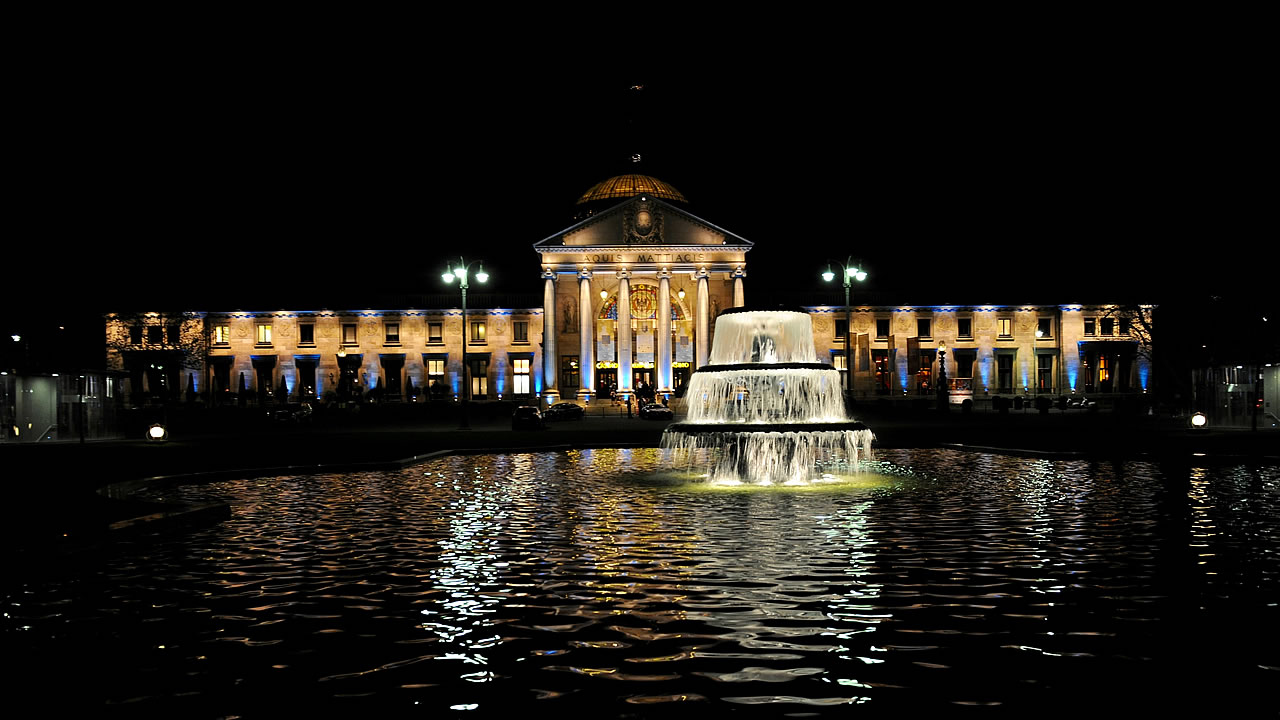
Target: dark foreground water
{"type": "Point", "coordinates": [582, 584]}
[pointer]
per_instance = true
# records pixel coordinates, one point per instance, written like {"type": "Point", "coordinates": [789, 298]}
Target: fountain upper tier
{"type": "Point", "coordinates": [763, 336]}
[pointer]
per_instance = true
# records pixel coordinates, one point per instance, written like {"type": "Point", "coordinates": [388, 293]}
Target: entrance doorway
{"type": "Point", "coordinates": [606, 382]}
{"type": "Point", "coordinates": [679, 378]}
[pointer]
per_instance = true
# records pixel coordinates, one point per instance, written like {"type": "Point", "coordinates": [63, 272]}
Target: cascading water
{"type": "Point", "coordinates": [764, 410]}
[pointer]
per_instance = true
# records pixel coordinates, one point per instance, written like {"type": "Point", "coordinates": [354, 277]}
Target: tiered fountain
{"type": "Point", "coordinates": [764, 411]}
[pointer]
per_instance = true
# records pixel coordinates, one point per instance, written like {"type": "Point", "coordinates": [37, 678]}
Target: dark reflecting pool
{"type": "Point", "coordinates": [587, 582]}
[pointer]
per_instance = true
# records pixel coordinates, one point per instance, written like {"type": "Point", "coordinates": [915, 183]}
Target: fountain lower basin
{"type": "Point", "coordinates": [765, 411]}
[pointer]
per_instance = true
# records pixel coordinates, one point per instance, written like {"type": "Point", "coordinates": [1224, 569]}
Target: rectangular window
{"type": "Point", "coordinates": [1044, 327]}
{"type": "Point", "coordinates": [348, 333]}
{"type": "Point", "coordinates": [842, 326]}
{"type": "Point", "coordinates": [221, 334]}
{"type": "Point", "coordinates": [964, 327]}
{"type": "Point", "coordinates": [520, 372]}
{"type": "Point", "coordinates": [924, 328]}
{"type": "Point", "coordinates": [881, 359]}
{"type": "Point", "coordinates": [174, 333]}
{"type": "Point", "coordinates": [924, 375]}
{"type": "Point", "coordinates": [135, 335]}
{"type": "Point", "coordinates": [264, 334]}
{"type": "Point", "coordinates": [1124, 326]}
{"type": "Point", "coordinates": [963, 360]}
{"type": "Point", "coordinates": [838, 361]}
{"type": "Point", "coordinates": [435, 378]}
{"type": "Point", "coordinates": [1090, 326]}
{"type": "Point", "coordinates": [479, 378]}
{"type": "Point", "coordinates": [155, 334]}
{"type": "Point", "coordinates": [477, 331]}
{"type": "Point", "coordinates": [568, 373]}
{"type": "Point", "coordinates": [392, 330]}
{"type": "Point", "coordinates": [1044, 373]}
{"type": "Point", "coordinates": [520, 331]}
{"type": "Point", "coordinates": [1004, 373]}
{"type": "Point", "coordinates": [307, 334]}
{"type": "Point", "coordinates": [1108, 326]}
{"type": "Point", "coordinates": [435, 333]}
{"type": "Point", "coordinates": [882, 328]}
{"type": "Point", "coordinates": [1005, 326]}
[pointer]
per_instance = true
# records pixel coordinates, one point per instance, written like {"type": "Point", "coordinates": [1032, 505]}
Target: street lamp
{"type": "Point", "coordinates": [459, 272]}
{"type": "Point", "coordinates": [849, 272]}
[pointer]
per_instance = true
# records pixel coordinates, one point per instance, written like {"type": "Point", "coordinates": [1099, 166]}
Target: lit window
{"type": "Point", "coordinates": [1044, 373]}
{"type": "Point", "coordinates": [838, 361]}
{"type": "Point", "coordinates": [477, 331]}
{"type": "Point", "coordinates": [435, 378]}
{"type": "Point", "coordinates": [520, 370]}
{"type": "Point", "coordinates": [264, 334]}
{"type": "Point", "coordinates": [392, 333]}
{"type": "Point", "coordinates": [568, 371]}
{"type": "Point", "coordinates": [435, 333]}
{"type": "Point", "coordinates": [520, 331]}
{"type": "Point", "coordinates": [348, 333]}
{"type": "Point", "coordinates": [479, 378]}
{"type": "Point", "coordinates": [221, 334]}
{"type": "Point", "coordinates": [1005, 326]}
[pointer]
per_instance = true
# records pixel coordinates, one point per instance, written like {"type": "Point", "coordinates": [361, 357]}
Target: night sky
{"type": "Point", "coordinates": [262, 180]}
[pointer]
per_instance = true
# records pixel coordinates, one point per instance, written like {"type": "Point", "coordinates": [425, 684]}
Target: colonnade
{"type": "Point", "coordinates": [586, 330]}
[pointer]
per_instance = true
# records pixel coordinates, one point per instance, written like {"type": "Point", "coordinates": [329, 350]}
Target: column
{"type": "Point", "coordinates": [662, 348]}
{"type": "Point", "coordinates": [586, 336]}
{"type": "Point", "coordinates": [702, 342]}
{"type": "Point", "coordinates": [550, 359]}
{"type": "Point", "coordinates": [738, 299]}
{"type": "Point", "coordinates": [624, 332]}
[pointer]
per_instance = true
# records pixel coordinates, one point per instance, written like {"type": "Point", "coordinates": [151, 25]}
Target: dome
{"type": "Point", "coordinates": [630, 185]}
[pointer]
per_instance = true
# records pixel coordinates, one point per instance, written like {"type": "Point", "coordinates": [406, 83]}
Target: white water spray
{"type": "Point", "coordinates": [765, 411]}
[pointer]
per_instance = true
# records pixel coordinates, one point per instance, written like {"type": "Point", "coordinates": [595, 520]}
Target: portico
{"type": "Point", "coordinates": [630, 294]}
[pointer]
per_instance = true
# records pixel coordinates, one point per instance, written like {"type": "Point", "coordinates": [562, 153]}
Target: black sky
{"type": "Point", "coordinates": [255, 178]}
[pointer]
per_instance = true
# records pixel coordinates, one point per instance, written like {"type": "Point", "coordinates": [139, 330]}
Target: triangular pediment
{"type": "Point", "coordinates": [643, 222]}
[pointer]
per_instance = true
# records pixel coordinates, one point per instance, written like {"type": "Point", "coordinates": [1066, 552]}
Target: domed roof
{"type": "Point", "coordinates": [630, 185]}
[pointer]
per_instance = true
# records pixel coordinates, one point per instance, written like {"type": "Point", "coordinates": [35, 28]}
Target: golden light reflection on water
{"type": "Point", "coordinates": [1203, 528]}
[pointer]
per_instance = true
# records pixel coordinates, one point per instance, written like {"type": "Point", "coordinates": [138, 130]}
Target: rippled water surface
{"type": "Point", "coordinates": [586, 582]}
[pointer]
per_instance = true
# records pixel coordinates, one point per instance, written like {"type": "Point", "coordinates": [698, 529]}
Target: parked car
{"type": "Point", "coordinates": [655, 411]}
{"type": "Point", "coordinates": [299, 413]}
{"type": "Point", "coordinates": [527, 417]}
{"type": "Point", "coordinates": [565, 411]}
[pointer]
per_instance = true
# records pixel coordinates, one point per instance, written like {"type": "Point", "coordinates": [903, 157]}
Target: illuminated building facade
{"type": "Point", "coordinates": [630, 294]}
{"type": "Point", "coordinates": [1011, 350]}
